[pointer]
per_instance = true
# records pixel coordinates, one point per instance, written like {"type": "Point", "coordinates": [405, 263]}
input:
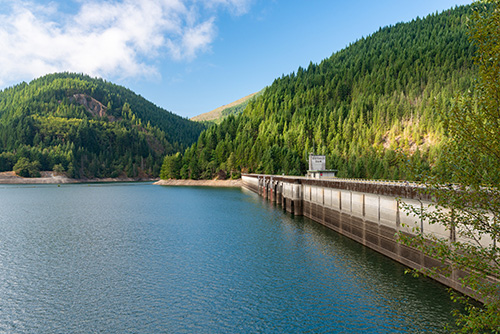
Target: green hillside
{"type": "Point", "coordinates": [86, 127]}
{"type": "Point", "coordinates": [368, 107]}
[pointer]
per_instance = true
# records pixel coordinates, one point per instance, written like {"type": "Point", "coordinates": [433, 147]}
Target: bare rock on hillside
{"type": "Point", "coordinates": [96, 108]}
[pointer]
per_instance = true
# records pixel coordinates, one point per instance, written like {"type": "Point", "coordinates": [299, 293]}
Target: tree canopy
{"type": "Point", "coordinates": [469, 207]}
{"type": "Point", "coordinates": [364, 107]}
{"type": "Point", "coordinates": [88, 128]}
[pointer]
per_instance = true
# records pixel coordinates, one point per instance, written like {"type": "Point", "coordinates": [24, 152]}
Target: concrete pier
{"type": "Point", "coordinates": [367, 212]}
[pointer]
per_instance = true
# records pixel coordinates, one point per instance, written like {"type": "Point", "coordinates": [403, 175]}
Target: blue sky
{"type": "Point", "coordinates": [188, 56]}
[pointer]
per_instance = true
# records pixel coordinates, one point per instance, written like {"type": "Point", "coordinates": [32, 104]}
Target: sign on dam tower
{"type": "Point", "coordinates": [317, 167]}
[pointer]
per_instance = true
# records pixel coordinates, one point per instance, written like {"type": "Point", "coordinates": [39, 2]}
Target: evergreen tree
{"type": "Point", "coordinates": [365, 107]}
{"type": "Point", "coordinates": [87, 127]}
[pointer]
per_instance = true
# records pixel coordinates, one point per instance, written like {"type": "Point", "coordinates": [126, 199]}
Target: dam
{"type": "Point", "coordinates": [368, 212]}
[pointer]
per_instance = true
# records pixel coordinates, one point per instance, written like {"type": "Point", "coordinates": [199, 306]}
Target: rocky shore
{"type": "Point", "coordinates": [56, 178]}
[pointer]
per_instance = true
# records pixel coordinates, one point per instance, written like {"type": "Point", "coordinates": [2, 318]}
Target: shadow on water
{"type": "Point", "coordinates": [384, 281]}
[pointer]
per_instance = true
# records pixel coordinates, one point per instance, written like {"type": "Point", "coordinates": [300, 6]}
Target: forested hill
{"type": "Point", "coordinates": [86, 127]}
{"type": "Point", "coordinates": [365, 107]}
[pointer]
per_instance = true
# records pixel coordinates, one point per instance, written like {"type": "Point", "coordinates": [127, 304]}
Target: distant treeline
{"type": "Point", "coordinates": [86, 127]}
{"type": "Point", "coordinates": [369, 108]}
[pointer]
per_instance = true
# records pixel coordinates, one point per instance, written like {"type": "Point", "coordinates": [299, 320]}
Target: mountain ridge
{"type": "Point", "coordinates": [369, 108]}
{"type": "Point", "coordinates": [86, 127]}
{"type": "Point", "coordinates": [218, 113]}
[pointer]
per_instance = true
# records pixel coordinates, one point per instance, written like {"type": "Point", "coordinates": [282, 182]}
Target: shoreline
{"type": "Point", "coordinates": [55, 178]}
{"type": "Point", "coordinates": [201, 183]}
{"type": "Point", "coordinates": [7, 178]}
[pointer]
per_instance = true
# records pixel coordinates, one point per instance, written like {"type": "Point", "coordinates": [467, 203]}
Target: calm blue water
{"type": "Point", "coordinates": [140, 258]}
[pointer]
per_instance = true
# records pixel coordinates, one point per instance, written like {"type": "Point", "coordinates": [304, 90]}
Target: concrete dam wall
{"type": "Point", "coordinates": [365, 211]}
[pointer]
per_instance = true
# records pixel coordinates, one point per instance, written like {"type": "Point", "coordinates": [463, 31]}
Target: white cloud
{"type": "Point", "coordinates": [105, 38]}
{"type": "Point", "coordinates": [238, 7]}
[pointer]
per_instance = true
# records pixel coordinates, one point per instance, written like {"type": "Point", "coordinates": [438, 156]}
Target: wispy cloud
{"type": "Point", "coordinates": [105, 38]}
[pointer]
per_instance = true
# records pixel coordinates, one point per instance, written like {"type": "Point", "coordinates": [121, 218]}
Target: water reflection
{"type": "Point", "coordinates": [144, 258]}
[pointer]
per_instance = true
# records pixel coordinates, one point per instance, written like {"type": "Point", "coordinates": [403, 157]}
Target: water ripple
{"type": "Point", "coordinates": [149, 259]}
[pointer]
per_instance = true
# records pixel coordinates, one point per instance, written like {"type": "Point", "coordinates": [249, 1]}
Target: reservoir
{"type": "Point", "coordinates": [141, 258]}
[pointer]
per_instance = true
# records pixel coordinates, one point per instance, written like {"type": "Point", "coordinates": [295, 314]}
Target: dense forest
{"type": "Point", "coordinates": [369, 108]}
{"type": "Point", "coordinates": [87, 128]}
